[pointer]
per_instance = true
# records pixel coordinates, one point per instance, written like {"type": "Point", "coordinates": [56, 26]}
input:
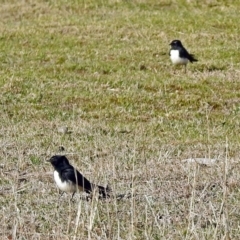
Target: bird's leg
{"type": "Point", "coordinates": [60, 194]}
{"type": "Point", "coordinates": [174, 69]}
{"type": "Point", "coordinates": [185, 70]}
{"type": "Point", "coordinates": [72, 196]}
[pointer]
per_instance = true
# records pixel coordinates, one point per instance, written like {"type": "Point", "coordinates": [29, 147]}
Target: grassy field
{"type": "Point", "coordinates": [102, 70]}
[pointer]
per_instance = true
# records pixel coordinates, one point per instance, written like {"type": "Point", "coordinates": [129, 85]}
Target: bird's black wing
{"type": "Point", "coordinates": [192, 58]}
{"type": "Point", "coordinates": [104, 192]}
{"type": "Point", "coordinates": [69, 173]}
{"type": "Point", "coordinates": [72, 174]}
{"type": "Point", "coordinates": [183, 53]}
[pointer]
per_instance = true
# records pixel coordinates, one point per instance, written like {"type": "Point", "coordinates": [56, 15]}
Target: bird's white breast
{"type": "Point", "coordinates": [175, 58]}
{"type": "Point", "coordinates": [65, 186]}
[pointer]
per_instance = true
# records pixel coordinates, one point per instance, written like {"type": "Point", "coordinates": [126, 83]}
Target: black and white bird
{"type": "Point", "coordinates": [69, 179]}
{"type": "Point", "coordinates": [179, 55]}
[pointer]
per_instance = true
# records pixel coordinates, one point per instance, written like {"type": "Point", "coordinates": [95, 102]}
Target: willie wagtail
{"type": "Point", "coordinates": [69, 179]}
{"type": "Point", "coordinates": [179, 55]}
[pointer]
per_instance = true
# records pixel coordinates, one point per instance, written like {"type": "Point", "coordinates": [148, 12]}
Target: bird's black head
{"type": "Point", "coordinates": [58, 161]}
{"type": "Point", "coordinates": [176, 43]}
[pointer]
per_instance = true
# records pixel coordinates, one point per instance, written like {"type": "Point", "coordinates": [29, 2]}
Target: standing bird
{"type": "Point", "coordinates": [69, 179]}
{"type": "Point", "coordinates": [179, 55]}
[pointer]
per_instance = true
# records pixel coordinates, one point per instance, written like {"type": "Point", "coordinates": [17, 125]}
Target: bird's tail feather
{"type": "Point", "coordinates": [192, 58]}
{"type": "Point", "coordinates": [104, 191]}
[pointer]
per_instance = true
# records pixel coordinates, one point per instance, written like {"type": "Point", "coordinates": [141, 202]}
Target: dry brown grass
{"type": "Point", "coordinates": [168, 198]}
